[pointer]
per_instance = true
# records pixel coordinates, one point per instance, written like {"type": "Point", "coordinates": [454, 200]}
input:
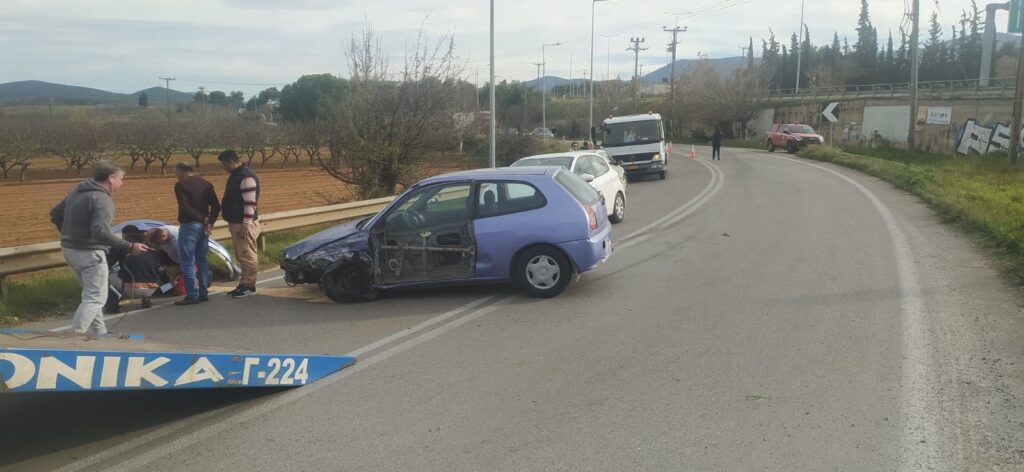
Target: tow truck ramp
{"type": "Point", "coordinates": [48, 361]}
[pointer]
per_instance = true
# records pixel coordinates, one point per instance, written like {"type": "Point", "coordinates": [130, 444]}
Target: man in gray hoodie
{"type": "Point", "coordinates": [83, 218]}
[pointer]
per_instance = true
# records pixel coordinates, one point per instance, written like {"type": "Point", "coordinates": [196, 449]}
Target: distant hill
{"type": "Point", "coordinates": [723, 66]}
{"type": "Point", "coordinates": [550, 82]}
{"type": "Point", "coordinates": [36, 92]}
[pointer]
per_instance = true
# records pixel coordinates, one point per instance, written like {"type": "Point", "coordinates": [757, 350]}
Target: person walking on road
{"type": "Point", "coordinates": [83, 218]}
{"type": "Point", "coordinates": [238, 207]}
{"type": "Point", "coordinates": [716, 145]}
{"type": "Point", "coordinates": [198, 210]}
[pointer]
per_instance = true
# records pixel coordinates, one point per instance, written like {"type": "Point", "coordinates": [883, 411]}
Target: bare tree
{"type": "Point", "coordinates": [19, 142]}
{"type": "Point", "coordinates": [250, 139]}
{"type": "Point", "coordinates": [196, 137]}
{"type": "Point", "coordinates": [79, 144]}
{"type": "Point", "coordinates": [310, 138]}
{"type": "Point", "coordinates": [712, 101]}
{"type": "Point", "coordinates": [461, 124]}
{"type": "Point", "coordinates": [387, 127]}
{"type": "Point", "coordinates": [289, 143]}
{"type": "Point", "coordinates": [270, 145]}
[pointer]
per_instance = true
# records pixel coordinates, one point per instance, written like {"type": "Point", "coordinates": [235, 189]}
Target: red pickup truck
{"type": "Point", "coordinates": [791, 137]}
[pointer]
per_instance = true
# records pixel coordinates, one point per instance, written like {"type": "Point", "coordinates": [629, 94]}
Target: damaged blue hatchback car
{"type": "Point", "coordinates": [534, 226]}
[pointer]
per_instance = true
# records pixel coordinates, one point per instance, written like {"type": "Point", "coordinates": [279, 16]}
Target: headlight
{"type": "Point", "coordinates": [657, 157]}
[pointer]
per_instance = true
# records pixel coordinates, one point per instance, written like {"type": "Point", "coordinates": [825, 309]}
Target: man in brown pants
{"type": "Point", "coordinates": [238, 208]}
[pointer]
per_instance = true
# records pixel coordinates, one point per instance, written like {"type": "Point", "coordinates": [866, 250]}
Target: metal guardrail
{"type": "Point", "coordinates": [42, 256]}
{"type": "Point", "coordinates": [997, 87]}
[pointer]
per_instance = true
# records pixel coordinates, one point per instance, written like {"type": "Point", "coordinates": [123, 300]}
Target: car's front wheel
{"type": "Point", "coordinates": [347, 284]}
{"type": "Point", "coordinates": [771, 146]}
{"type": "Point", "coordinates": [619, 210]}
{"type": "Point", "coordinates": [792, 147]}
{"type": "Point", "coordinates": [543, 272]}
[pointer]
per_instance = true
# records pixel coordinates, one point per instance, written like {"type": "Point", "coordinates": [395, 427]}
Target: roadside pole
{"type": "Point", "coordinates": [914, 33]}
{"type": "Point", "coordinates": [494, 113]}
{"type": "Point", "coordinates": [1018, 105]}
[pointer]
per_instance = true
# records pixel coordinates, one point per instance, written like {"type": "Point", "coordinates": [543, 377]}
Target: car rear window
{"type": "Point", "coordinates": [563, 161]}
{"type": "Point", "coordinates": [502, 198]}
{"type": "Point", "coordinates": [580, 189]}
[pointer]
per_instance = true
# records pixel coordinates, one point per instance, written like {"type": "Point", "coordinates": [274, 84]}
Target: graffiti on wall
{"type": "Point", "coordinates": [984, 139]}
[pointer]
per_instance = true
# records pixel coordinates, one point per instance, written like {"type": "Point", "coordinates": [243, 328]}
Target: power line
{"type": "Point", "coordinates": [167, 94]}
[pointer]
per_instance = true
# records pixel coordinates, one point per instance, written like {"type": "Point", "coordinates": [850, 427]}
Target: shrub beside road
{"type": "Point", "coordinates": [983, 194]}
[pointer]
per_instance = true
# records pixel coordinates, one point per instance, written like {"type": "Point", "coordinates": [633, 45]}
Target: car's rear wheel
{"type": "Point", "coordinates": [619, 210]}
{"type": "Point", "coordinates": [347, 284]}
{"type": "Point", "coordinates": [543, 272]}
{"type": "Point", "coordinates": [771, 146]}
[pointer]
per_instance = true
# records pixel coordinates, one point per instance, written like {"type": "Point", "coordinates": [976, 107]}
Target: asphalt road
{"type": "Point", "coordinates": [760, 313]}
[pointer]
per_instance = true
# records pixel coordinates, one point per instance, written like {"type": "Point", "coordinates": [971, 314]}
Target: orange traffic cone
{"type": "Point", "coordinates": [693, 151]}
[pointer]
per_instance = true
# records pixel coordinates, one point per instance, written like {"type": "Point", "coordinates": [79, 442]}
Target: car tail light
{"type": "Point", "coordinates": [592, 217]}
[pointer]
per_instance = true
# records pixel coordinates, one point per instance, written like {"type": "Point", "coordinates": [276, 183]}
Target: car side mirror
{"type": "Point", "coordinates": [587, 177]}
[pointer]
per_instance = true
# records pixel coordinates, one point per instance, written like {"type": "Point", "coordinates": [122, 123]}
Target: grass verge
{"type": "Point", "coordinates": [33, 297]}
{"type": "Point", "coordinates": [983, 194]}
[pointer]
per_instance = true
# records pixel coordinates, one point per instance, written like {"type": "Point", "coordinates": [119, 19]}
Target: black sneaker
{"type": "Point", "coordinates": [187, 301]}
{"type": "Point", "coordinates": [204, 298]}
{"type": "Point", "coordinates": [235, 291]}
{"type": "Point", "coordinates": [243, 292]}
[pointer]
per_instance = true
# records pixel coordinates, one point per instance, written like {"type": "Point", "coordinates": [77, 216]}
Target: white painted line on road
{"type": "Point", "coordinates": [645, 233]}
{"type": "Point", "coordinates": [290, 396]}
{"type": "Point", "coordinates": [219, 427]}
{"type": "Point", "coordinates": [923, 441]}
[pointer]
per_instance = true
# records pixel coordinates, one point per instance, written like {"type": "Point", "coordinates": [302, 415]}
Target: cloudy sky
{"type": "Point", "coordinates": [248, 45]}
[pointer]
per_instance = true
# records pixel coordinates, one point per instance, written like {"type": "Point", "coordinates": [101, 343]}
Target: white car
{"type": "Point", "coordinates": [594, 168]}
{"type": "Point", "coordinates": [614, 165]}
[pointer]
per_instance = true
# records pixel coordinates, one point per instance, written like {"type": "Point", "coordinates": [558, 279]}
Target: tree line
{"type": "Point", "coordinates": [877, 59]}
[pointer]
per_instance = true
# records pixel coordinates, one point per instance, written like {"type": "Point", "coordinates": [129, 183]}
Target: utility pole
{"type": "Point", "coordinates": [641, 94]}
{"type": "Point", "coordinates": [672, 80]}
{"type": "Point", "coordinates": [1018, 107]}
{"type": "Point", "coordinates": [636, 60]}
{"type": "Point", "coordinates": [167, 94]}
{"type": "Point", "coordinates": [494, 113]}
{"type": "Point", "coordinates": [800, 47]}
{"type": "Point", "coordinates": [914, 33]}
{"type": "Point", "coordinates": [543, 87]}
{"type": "Point", "coordinates": [571, 89]}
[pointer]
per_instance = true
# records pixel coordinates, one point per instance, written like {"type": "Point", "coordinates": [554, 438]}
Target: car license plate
{"type": "Point", "coordinates": [630, 167]}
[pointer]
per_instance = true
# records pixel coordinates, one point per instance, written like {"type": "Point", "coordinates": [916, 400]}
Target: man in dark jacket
{"type": "Point", "coordinates": [198, 209]}
{"type": "Point", "coordinates": [716, 145]}
{"type": "Point", "coordinates": [238, 206]}
{"type": "Point", "coordinates": [83, 218]}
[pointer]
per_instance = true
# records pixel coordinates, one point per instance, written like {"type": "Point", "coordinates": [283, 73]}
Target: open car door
{"type": "Point", "coordinates": [427, 237]}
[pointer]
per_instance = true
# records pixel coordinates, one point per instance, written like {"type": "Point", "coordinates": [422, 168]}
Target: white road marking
{"type": "Point", "coordinates": [361, 364]}
{"type": "Point", "coordinates": [645, 233]}
{"type": "Point", "coordinates": [923, 442]}
{"type": "Point", "coordinates": [192, 438]}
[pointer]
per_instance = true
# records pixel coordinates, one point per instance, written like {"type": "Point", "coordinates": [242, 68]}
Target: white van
{"type": "Point", "coordinates": [637, 143]}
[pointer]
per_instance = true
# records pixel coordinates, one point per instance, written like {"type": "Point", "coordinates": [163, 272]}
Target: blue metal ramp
{"type": "Point", "coordinates": [47, 361]}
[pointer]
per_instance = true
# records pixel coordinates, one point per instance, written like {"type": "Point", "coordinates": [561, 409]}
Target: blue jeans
{"type": "Point", "coordinates": [193, 243]}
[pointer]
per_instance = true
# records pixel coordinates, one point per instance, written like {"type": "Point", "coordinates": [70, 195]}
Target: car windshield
{"type": "Point", "coordinates": [801, 129]}
{"type": "Point", "coordinates": [632, 132]}
{"type": "Point", "coordinates": [562, 161]}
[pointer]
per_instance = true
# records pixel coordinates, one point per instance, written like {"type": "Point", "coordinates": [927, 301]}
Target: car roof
{"type": "Point", "coordinates": [628, 118]}
{"type": "Point", "coordinates": [573, 154]}
{"type": "Point", "coordinates": [496, 173]}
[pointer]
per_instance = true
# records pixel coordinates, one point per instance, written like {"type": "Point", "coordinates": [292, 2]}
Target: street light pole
{"type": "Point", "coordinates": [593, 6]}
{"type": "Point", "coordinates": [494, 113]}
{"type": "Point", "coordinates": [544, 83]}
{"type": "Point", "coordinates": [800, 46]}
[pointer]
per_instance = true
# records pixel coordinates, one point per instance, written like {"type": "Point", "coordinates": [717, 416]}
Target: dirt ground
{"type": "Point", "coordinates": [25, 215]}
